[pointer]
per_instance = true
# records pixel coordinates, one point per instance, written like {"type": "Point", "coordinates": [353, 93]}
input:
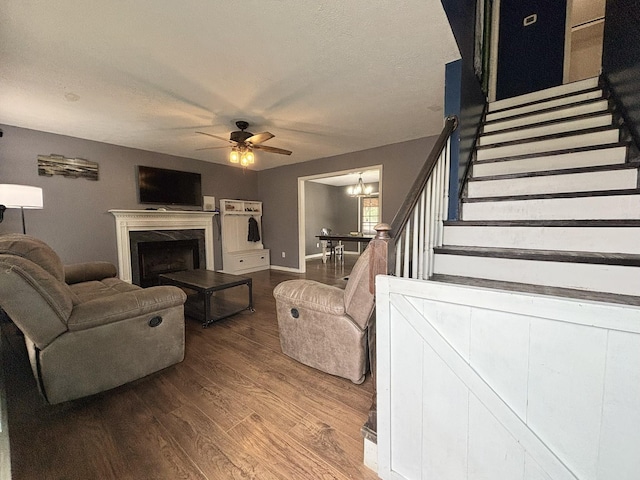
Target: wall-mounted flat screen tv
{"type": "Point", "coordinates": [161, 186]}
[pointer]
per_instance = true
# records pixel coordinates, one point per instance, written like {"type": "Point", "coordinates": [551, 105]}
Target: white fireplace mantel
{"type": "Point", "coordinates": [145, 220]}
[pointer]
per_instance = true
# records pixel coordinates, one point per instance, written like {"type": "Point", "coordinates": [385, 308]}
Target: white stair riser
{"type": "Point", "coordinates": [565, 89]}
{"type": "Point", "coordinates": [608, 207]}
{"type": "Point", "coordinates": [574, 141]}
{"type": "Point", "coordinates": [580, 239]}
{"type": "Point", "coordinates": [534, 132]}
{"type": "Point", "coordinates": [575, 182]}
{"type": "Point", "coordinates": [569, 111]}
{"type": "Point", "coordinates": [558, 102]}
{"type": "Point", "coordinates": [589, 158]}
{"type": "Point", "coordinates": [601, 278]}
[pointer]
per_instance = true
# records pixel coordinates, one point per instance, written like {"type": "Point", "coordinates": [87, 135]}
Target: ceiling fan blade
{"type": "Point", "coordinates": [216, 136]}
{"type": "Point", "coordinates": [281, 151]}
{"type": "Point", "coordinates": [259, 138]}
{"type": "Point", "coordinates": [213, 148]}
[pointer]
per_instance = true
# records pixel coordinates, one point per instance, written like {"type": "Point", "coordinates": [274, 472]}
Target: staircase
{"type": "Point", "coordinates": [552, 205]}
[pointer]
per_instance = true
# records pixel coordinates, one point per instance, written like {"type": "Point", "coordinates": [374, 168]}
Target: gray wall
{"type": "Point", "coordinates": [330, 207]}
{"type": "Point", "coordinates": [75, 221]}
{"type": "Point", "coordinates": [278, 189]}
{"type": "Point", "coordinates": [317, 200]}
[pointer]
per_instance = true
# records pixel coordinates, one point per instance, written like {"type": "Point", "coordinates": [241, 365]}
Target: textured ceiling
{"type": "Point", "coordinates": [325, 78]}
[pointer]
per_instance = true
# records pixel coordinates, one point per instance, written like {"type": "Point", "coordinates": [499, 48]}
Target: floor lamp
{"type": "Point", "coordinates": [19, 196]}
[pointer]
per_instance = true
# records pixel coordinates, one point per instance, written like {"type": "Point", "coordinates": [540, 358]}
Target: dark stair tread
{"type": "Point", "coordinates": [543, 196]}
{"type": "Point", "coordinates": [543, 223]}
{"type": "Point", "coordinates": [564, 151]}
{"type": "Point", "coordinates": [548, 99]}
{"type": "Point", "coordinates": [559, 108]}
{"type": "Point", "coordinates": [546, 123]}
{"type": "Point", "coordinates": [552, 136]}
{"type": "Point", "coordinates": [539, 289]}
{"type": "Point", "coordinates": [598, 258]}
{"type": "Point", "coordinates": [565, 171]}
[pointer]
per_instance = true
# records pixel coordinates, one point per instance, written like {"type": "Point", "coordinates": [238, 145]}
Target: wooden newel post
{"type": "Point", "coordinates": [377, 266]}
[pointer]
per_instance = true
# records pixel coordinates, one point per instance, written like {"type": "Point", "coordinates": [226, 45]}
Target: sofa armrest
{"type": "Point", "coordinates": [312, 295]}
{"type": "Point", "coordinates": [88, 271]}
{"type": "Point", "coordinates": [123, 306]}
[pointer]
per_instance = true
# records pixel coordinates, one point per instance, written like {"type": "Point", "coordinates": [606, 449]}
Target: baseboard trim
{"type": "Point", "coordinates": [370, 454]}
{"type": "Point", "coordinates": [286, 269]}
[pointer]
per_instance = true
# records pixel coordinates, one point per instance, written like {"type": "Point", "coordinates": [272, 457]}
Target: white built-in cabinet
{"type": "Point", "coordinates": [239, 255]}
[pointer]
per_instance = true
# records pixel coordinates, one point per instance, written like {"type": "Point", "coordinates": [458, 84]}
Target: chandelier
{"type": "Point", "coordinates": [359, 189]}
{"type": "Point", "coordinates": [242, 154]}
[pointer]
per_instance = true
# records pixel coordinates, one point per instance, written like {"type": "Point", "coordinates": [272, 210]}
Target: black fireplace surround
{"type": "Point", "coordinates": [154, 252]}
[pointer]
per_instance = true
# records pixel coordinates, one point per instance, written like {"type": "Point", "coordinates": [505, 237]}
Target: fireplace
{"type": "Point", "coordinates": [134, 227]}
{"type": "Point", "coordinates": [155, 258]}
{"type": "Point", "coordinates": [163, 251]}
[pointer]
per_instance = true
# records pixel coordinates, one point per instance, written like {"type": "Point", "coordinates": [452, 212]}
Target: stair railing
{"type": "Point", "coordinates": [417, 227]}
{"type": "Point", "coordinates": [405, 248]}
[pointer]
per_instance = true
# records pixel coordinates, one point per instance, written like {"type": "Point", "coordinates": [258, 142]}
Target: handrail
{"type": "Point", "coordinates": [467, 168]}
{"type": "Point", "coordinates": [411, 200]}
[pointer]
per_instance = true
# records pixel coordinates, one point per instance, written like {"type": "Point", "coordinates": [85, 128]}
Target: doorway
{"type": "Point", "coordinates": [324, 202]}
{"type": "Point", "coordinates": [538, 44]}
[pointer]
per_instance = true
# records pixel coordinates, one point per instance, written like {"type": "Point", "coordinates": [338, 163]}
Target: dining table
{"type": "Point", "coordinates": [342, 238]}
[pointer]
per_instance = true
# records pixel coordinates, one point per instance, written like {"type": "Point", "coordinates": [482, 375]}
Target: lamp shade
{"type": "Point", "coordinates": [20, 196]}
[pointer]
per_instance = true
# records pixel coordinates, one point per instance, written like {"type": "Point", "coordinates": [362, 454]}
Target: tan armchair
{"type": "Point", "coordinates": [326, 327]}
{"type": "Point", "coordinates": [85, 330]}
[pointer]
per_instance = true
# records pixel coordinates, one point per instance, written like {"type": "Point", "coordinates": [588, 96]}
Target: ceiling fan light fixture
{"type": "Point", "coordinates": [234, 156]}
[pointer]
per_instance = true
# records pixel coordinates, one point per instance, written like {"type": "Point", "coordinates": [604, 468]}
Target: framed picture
{"type": "Point", "coordinates": [49, 165]}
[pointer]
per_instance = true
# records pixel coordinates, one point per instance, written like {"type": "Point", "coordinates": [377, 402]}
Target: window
{"type": "Point", "coordinates": [369, 215]}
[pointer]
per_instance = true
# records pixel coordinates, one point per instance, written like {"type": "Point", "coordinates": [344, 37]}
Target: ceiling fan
{"type": "Point", "coordinates": [242, 144]}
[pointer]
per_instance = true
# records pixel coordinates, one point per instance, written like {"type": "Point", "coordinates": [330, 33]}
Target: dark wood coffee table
{"type": "Point", "coordinates": [202, 300]}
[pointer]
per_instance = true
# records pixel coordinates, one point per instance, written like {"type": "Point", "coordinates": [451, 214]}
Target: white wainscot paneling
{"type": "Point", "coordinates": [452, 321]}
{"type": "Point", "coordinates": [620, 433]}
{"type": "Point", "coordinates": [566, 378]}
{"type": "Point", "coordinates": [499, 353]}
{"type": "Point", "coordinates": [407, 432]}
{"type": "Point", "coordinates": [483, 384]}
{"type": "Point", "coordinates": [445, 414]}
{"type": "Point", "coordinates": [493, 453]}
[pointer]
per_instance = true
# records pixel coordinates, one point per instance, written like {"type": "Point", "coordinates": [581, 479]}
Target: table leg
{"type": "Point", "coordinates": [207, 309]}
{"type": "Point", "coordinates": [250, 284]}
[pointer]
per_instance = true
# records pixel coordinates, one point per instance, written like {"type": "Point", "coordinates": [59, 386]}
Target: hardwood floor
{"type": "Point", "coordinates": [235, 408]}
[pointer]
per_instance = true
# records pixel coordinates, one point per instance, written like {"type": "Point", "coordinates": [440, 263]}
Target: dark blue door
{"type": "Point", "coordinates": [530, 46]}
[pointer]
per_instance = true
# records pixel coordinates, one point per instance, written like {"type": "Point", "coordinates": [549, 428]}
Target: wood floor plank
{"type": "Point", "coordinates": [159, 394]}
{"type": "Point", "coordinates": [255, 334]}
{"type": "Point", "coordinates": [216, 401]}
{"type": "Point", "coordinates": [253, 395]}
{"type": "Point", "coordinates": [217, 454]}
{"type": "Point", "coordinates": [338, 450]}
{"type": "Point", "coordinates": [307, 399]}
{"type": "Point", "coordinates": [285, 456]}
{"type": "Point", "coordinates": [144, 446]}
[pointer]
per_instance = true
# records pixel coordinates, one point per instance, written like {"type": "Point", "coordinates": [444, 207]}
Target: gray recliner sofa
{"type": "Point", "coordinates": [326, 327]}
{"type": "Point", "coordinates": [86, 331]}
